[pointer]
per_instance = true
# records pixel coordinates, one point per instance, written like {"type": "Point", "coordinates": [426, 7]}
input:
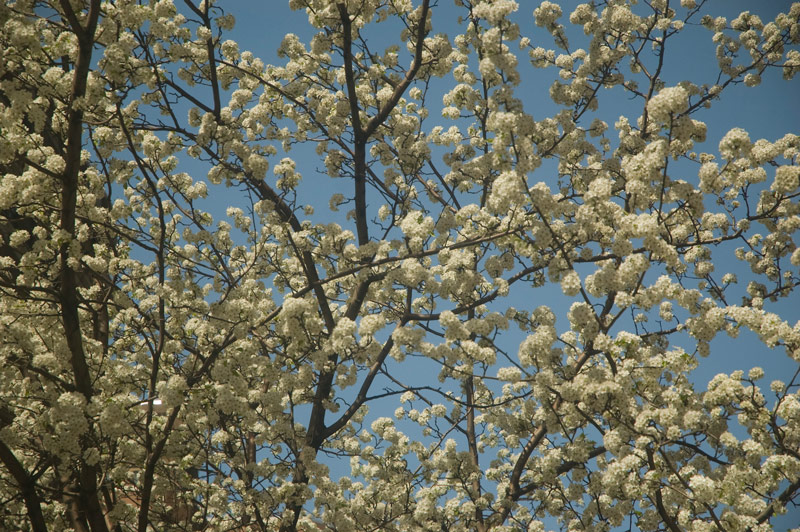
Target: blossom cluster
{"type": "Point", "coordinates": [497, 313]}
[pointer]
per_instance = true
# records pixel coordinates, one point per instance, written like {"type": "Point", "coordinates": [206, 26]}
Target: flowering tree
{"type": "Point", "coordinates": [404, 364]}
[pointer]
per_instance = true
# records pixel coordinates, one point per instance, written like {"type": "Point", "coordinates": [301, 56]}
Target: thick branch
{"type": "Point", "coordinates": [472, 443]}
{"type": "Point", "coordinates": [515, 491]}
{"type": "Point", "coordinates": [359, 150]}
{"type": "Point", "coordinates": [362, 393]}
{"type": "Point", "coordinates": [149, 471]}
{"type": "Point", "coordinates": [662, 510]}
{"type": "Point", "coordinates": [69, 193]}
{"type": "Point", "coordinates": [69, 286]}
{"type": "Point", "coordinates": [785, 496]}
{"type": "Point", "coordinates": [383, 114]}
{"type": "Point", "coordinates": [27, 488]}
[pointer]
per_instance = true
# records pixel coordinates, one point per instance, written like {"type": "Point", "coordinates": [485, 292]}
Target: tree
{"type": "Point", "coordinates": [531, 291]}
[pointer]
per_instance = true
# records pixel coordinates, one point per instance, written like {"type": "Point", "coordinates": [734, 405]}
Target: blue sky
{"type": "Point", "coordinates": [770, 111]}
{"type": "Point", "coordinates": [261, 26]}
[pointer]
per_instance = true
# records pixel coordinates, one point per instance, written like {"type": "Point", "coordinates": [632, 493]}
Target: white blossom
{"type": "Point", "coordinates": [508, 323]}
